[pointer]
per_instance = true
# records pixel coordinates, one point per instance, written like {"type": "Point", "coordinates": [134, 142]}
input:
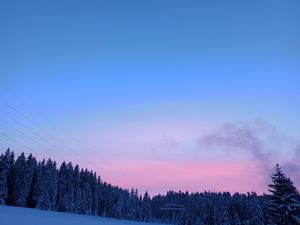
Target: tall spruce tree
{"type": "Point", "coordinates": [4, 172]}
{"type": "Point", "coordinates": [146, 208]}
{"type": "Point", "coordinates": [30, 166]}
{"type": "Point", "coordinates": [51, 183]}
{"type": "Point", "coordinates": [77, 189]}
{"type": "Point", "coordinates": [19, 180]}
{"type": "Point", "coordinates": [45, 186]}
{"type": "Point", "coordinates": [38, 198]}
{"type": "Point", "coordinates": [65, 194]}
{"type": "Point", "coordinates": [99, 196]}
{"type": "Point", "coordinates": [23, 174]}
{"type": "Point", "coordinates": [86, 193]}
{"type": "Point", "coordinates": [133, 205]}
{"type": "Point", "coordinates": [11, 179]}
{"type": "Point", "coordinates": [119, 210]}
{"type": "Point", "coordinates": [285, 200]}
{"type": "Point", "coordinates": [255, 210]}
{"type": "Point", "coordinates": [94, 186]}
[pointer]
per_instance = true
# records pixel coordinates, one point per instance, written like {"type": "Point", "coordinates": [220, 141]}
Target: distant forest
{"type": "Point", "coordinates": [24, 182]}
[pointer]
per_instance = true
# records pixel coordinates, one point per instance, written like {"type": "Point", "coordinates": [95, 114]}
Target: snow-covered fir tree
{"type": "Point", "coordinates": [5, 161]}
{"type": "Point", "coordinates": [51, 181]}
{"type": "Point", "coordinates": [38, 194]}
{"type": "Point", "coordinates": [119, 210]}
{"type": "Point", "coordinates": [85, 206]}
{"type": "Point", "coordinates": [223, 218]}
{"type": "Point", "coordinates": [285, 200]}
{"type": "Point", "coordinates": [146, 208]}
{"type": "Point", "coordinates": [133, 205]}
{"type": "Point", "coordinates": [23, 174]}
{"type": "Point", "coordinates": [44, 191]}
{"type": "Point", "coordinates": [65, 194]}
{"type": "Point", "coordinates": [94, 187]}
{"type": "Point", "coordinates": [77, 189]}
{"type": "Point", "coordinates": [256, 213]}
{"type": "Point", "coordinates": [11, 180]}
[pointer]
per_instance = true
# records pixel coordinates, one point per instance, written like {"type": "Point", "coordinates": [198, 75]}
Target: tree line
{"type": "Point", "coordinates": [25, 182]}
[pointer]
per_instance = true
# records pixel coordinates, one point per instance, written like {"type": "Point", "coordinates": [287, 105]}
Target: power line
{"type": "Point", "coordinates": [32, 108]}
{"type": "Point", "coordinates": [21, 133]}
{"type": "Point", "coordinates": [40, 137]}
{"type": "Point", "coordinates": [36, 125]}
{"type": "Point", "coordinates": [12, 146]}
{"type": "Point", "coordinates": [15, 140]}
{"type": "Point", "coordinates": [7, 144]}
{"type": "Point", "coordinates": [30, 130]}
{"type": "Point", "coordinates": [44, 131]}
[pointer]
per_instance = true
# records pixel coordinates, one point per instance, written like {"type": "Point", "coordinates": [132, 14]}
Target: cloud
{"type": "Point", "coordinates": [259, 140]}
{"type": "Point", "coordinates": [252, 138]}
{"type": "Point", "coordinates": [292, 166]}
{"type": "Point", "coordinates": [297, 153]}
{"type": "Point", "coordinates": [163, 146]}
{"type": "Point", "coordinates": [169, 143]}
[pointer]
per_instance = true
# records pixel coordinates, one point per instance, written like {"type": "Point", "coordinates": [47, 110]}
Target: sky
{"type": "Point", "coordinates": [156, 95]}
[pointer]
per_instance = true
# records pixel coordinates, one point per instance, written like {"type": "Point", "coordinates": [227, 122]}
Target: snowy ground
{"type": "Point", "coordinates": [24, 216]}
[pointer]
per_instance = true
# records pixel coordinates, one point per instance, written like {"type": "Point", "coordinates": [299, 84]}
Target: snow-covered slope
{"type": "Point", "coordinates": [24, 216]}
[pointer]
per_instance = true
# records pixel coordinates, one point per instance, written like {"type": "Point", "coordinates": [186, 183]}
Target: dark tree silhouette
{"type": "Point", "coordinates": [285, 200]}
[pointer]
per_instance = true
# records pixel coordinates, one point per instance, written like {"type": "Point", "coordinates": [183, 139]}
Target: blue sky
{"type": "Point", "coordinates": [138, 78]}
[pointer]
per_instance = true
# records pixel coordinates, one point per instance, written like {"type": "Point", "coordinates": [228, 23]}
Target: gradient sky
{"type": "Point", "coordinates": [158, 95]}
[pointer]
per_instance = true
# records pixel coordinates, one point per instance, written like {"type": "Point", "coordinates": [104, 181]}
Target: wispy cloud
{"type": "Point", "coordinates": [292, 166]}
{"type": "Point", "coordinates": [164, 144]}
{"type": "Point", "coordinates": [259, 140]}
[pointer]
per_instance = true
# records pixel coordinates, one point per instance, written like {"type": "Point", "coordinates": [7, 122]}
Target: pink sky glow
{"type": "Point", "coordinates": [161, 176]}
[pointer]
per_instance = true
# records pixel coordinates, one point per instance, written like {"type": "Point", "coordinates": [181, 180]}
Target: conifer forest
{"type": "Point", "coordinates": [25, 182]}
